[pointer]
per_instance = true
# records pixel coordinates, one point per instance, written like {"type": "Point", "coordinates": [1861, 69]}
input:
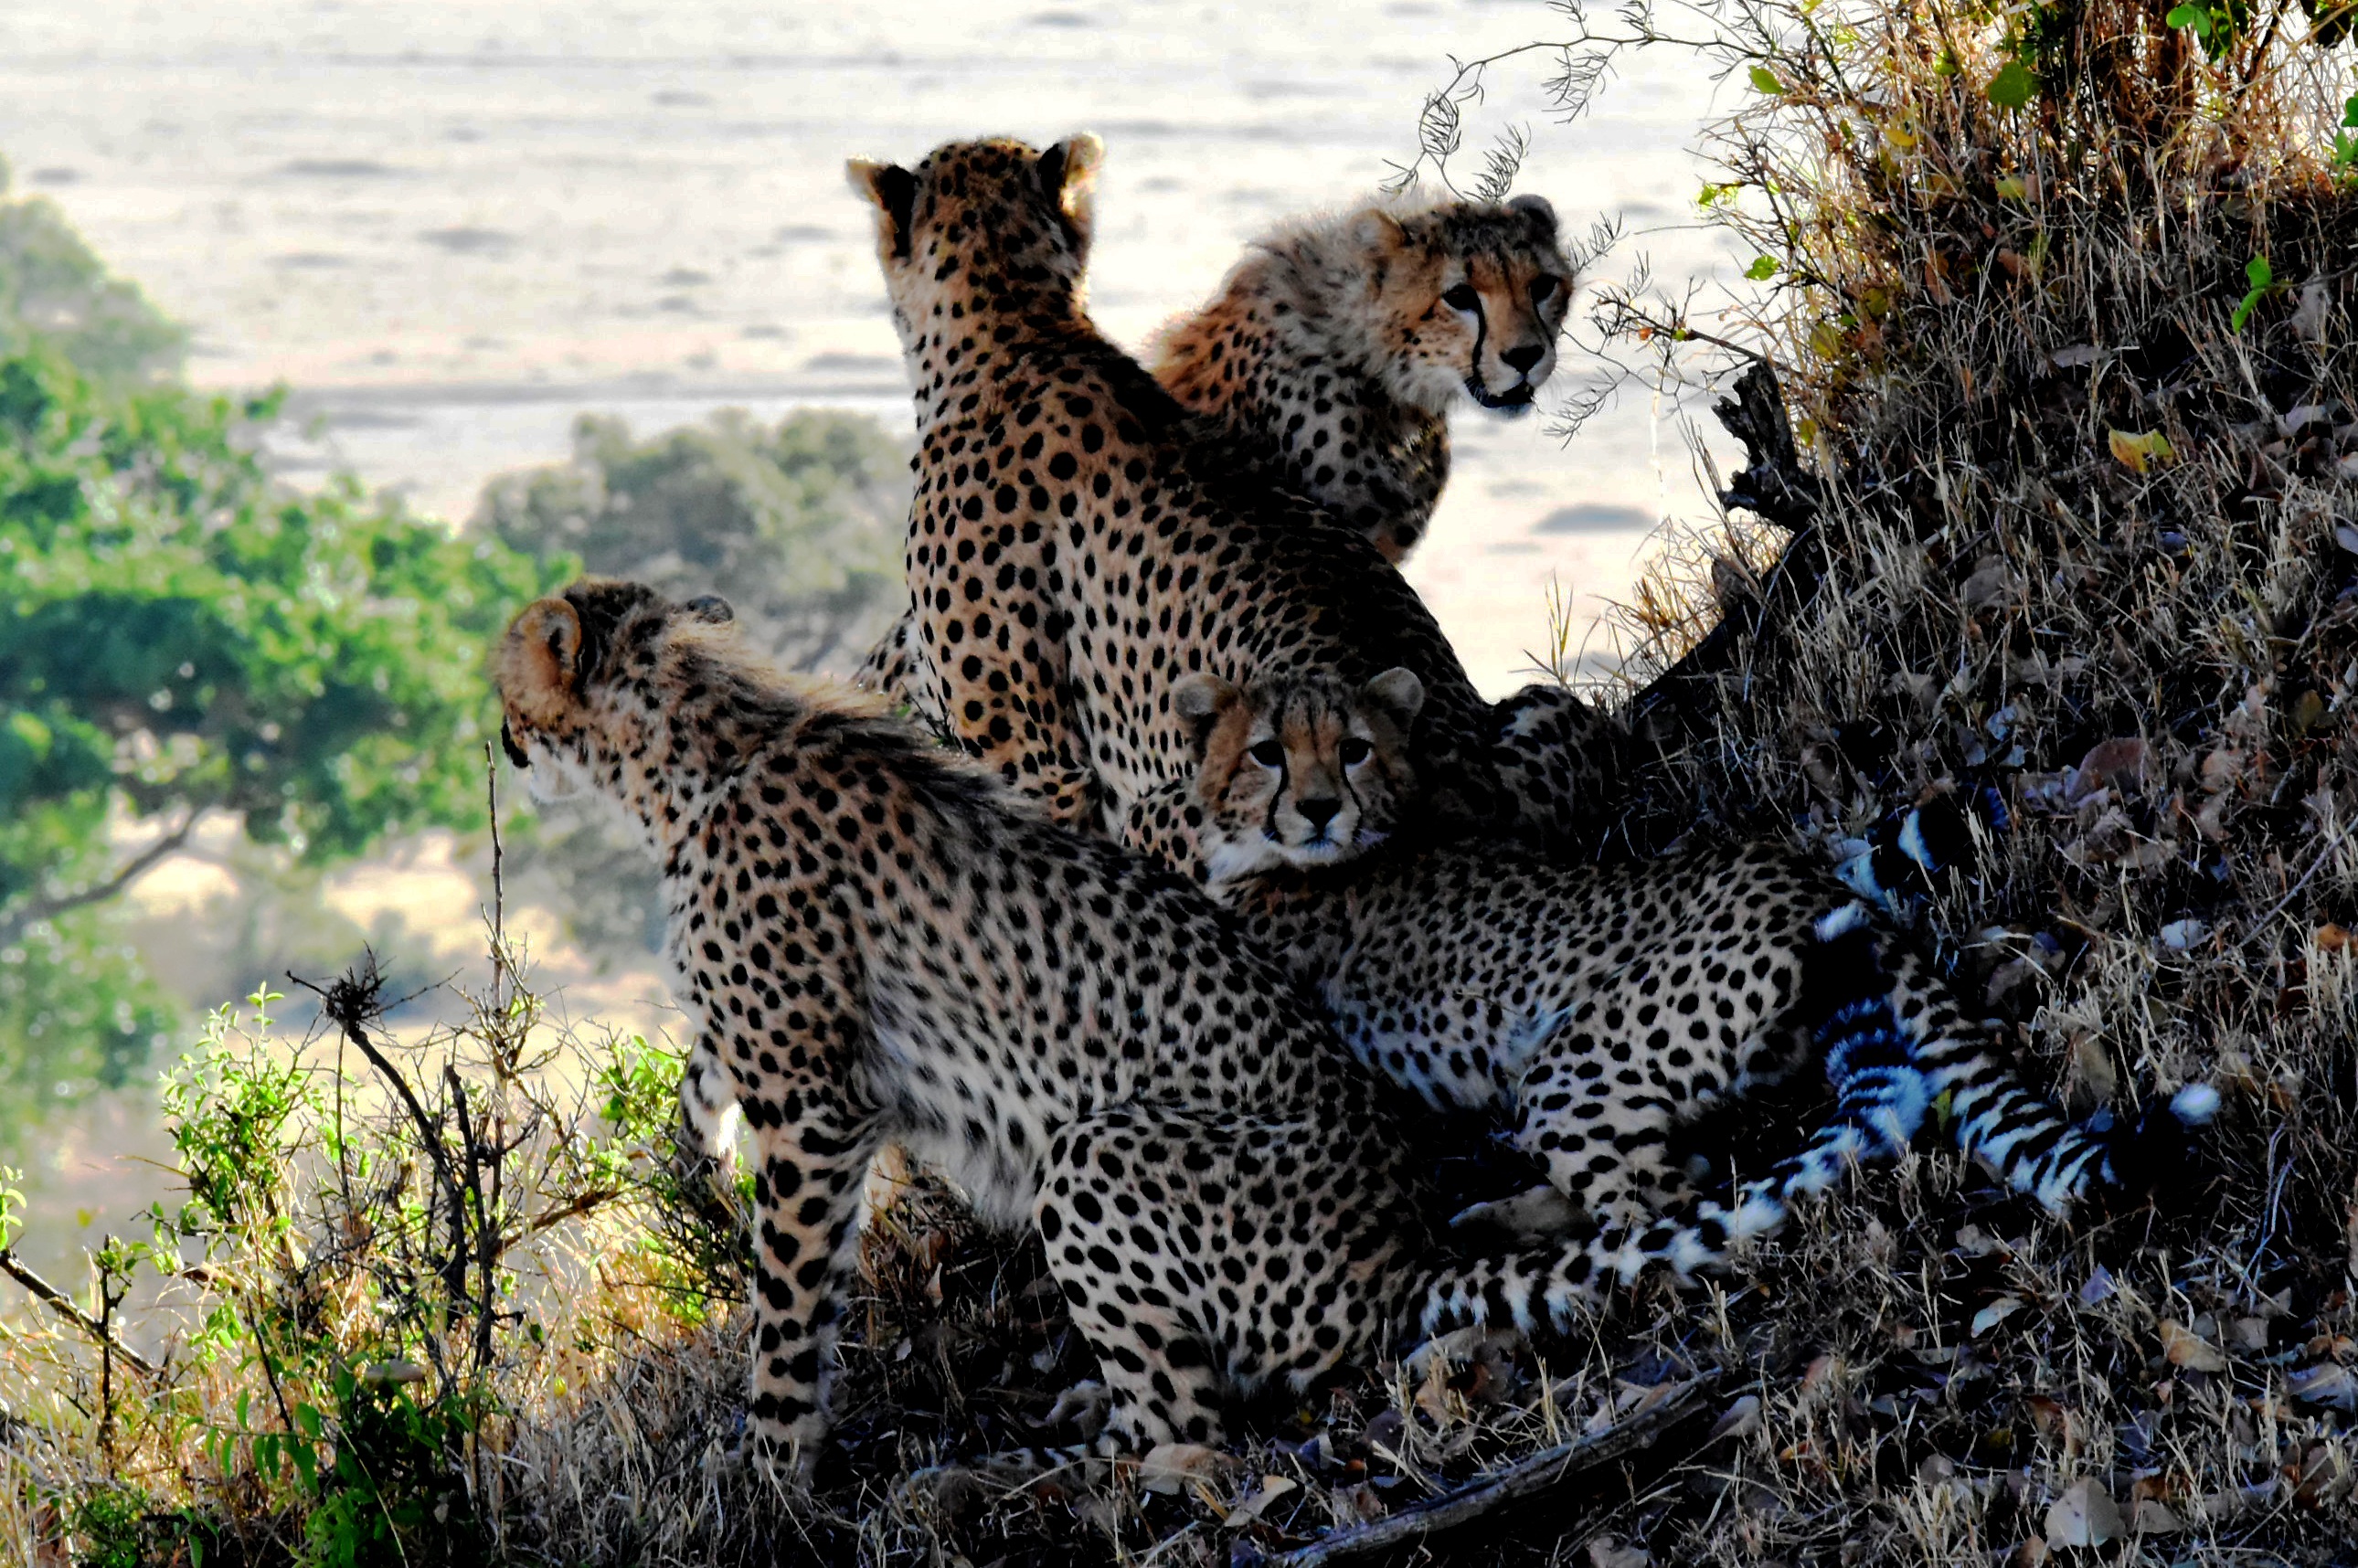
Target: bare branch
{"type": "Point", "coordinates": [66, 1307]}
{"type": "Point", "coordinates": [139, 865]}
{"type": "Point", "coordinates": [1544, 1471]}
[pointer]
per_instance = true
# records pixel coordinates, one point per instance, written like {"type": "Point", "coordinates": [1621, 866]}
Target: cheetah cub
{"type": "Point", "coordinates": [1596, 1007]}
{"type": "Point", "coordinates": [877, 941]}
{"type": "Point", "coordinates": [1335, 349]}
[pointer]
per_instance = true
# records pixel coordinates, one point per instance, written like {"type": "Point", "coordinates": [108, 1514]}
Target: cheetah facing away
{"type": "Point", "coordinates": [877, 941]}
{"type": "Point", "coordinates": [1594, 1008]}
{"type": "Point", "coordinates": [1331, 355]}
{"type": "Point", "coordinates": [1332, 351]}
{"type": "Point", "coordinates": [1074, 545]}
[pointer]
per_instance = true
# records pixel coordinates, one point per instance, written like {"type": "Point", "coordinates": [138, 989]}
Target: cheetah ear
{"type": "Point", "coordinates": [540, 660]}
{"type": "Point", "coordinates": [1538, 212]}
{"type": "Point", "coordinates": [1199, 700]}
{"type": "Point", "coordinates": [1399, 694]}
{"type": "Point", "coordinates": [893, 189]}
{"type": "Point", "coordinates": [1378, 232]}
{"type": "Point", "coordinates": [1068, 177]}
{"type": "Point", "coordinates": [712, 607]}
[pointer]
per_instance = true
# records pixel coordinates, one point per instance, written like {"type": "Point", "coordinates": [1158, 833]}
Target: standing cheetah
{"type": "Point", "coordinates": [877, 941]}
{"type": "Point", "coordinates": [1074, 547]}
{"type": "Point", "coordinates": [1334, 350]}
{"type": "Point", "coordinates": [1599, 1006]}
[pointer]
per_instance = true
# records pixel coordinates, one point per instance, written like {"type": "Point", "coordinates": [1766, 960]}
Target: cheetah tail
{"type": "Point", "coordinates": [2154, 1154]}
{"type": "Point", "coordinates": [1546, 1286]}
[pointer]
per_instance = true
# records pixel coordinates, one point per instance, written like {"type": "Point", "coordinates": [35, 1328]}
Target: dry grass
{"type": "Point", "coordinates": [2084, 540]}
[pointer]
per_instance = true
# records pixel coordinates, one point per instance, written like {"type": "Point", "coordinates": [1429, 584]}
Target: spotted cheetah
{"type": "Point", "coordinates": [877, 940]}
{"type": "Point", "coordinates": [1074, 545]}
{"type": "Point", "coordinates": [1595, 1007]}
{"type": "Point", "coordinates": [1334, 350]}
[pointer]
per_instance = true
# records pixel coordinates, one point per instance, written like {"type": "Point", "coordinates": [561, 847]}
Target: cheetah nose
{"type": "Point", "coordinates": [1320, 812]}
{"type": "Point", "coordinates": [1523, 358]}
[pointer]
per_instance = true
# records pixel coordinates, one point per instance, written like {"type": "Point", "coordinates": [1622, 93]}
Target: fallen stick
{"type": "Point", "coordinates": [1546, 1469]}
{"type": "Point", "coordinates": [64, 1306]}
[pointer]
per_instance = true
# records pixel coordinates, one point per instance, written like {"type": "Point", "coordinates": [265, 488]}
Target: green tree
{"type": "Point", "coordinates": [53, 288]}
{"type": "Point", "coordinates": [798, 526]}
{"type": "Point", "coordinates": [185, 638]}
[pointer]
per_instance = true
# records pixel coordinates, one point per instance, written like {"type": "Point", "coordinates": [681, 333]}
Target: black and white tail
{"type": "Point", "coordinates": [1909, 851]}
{"type": "Point", "coordinates": [1895, 1046]}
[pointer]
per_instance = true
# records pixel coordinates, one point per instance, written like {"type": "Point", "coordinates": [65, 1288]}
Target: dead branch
{"type": "Point", "coordinates": [1542, 1472]}
{"type": "Point", "coordinates": [67, 1308]}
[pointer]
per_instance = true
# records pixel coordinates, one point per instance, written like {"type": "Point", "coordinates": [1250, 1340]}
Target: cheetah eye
{"type": "Point", "coordinates": [1543, 289]}
{"type": "Point", "coordinates": [1462, 297]}
{"type": "Point", "coordinates": [1353, 751]}
{"type": "Point", "coordinates": [1268, 755]}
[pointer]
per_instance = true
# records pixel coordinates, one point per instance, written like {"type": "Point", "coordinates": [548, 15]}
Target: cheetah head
{"type": "Point", "coordinates": [578, 705]}
{"type": "Point", "coordinates": [1469, 296]}
{"type": "Point", "coordinates": [991, 223]}
{"type": "Point", "coordinates": [1301, 771]}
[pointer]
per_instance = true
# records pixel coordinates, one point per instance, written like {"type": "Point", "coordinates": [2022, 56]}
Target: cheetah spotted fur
{"type": "Point", "coordinates": [1596, 1008]}
{"type": "Point", "coordinates": [877, 941]}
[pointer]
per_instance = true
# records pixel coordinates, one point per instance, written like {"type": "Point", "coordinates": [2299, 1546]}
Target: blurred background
{"type": "Point", "coordinates": [546, 285]}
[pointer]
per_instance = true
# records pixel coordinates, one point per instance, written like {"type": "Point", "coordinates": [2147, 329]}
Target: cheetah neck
{"type": "Point", "coordinates": [961, 338]}
{"type": "Point", "coordinates": [693, 732]}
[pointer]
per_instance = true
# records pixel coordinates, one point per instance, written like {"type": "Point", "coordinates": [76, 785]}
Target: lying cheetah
{"type": "Point", "coordinates": [1334, 350]}
{"type": "Point", "coordinates": [1074, 545]}
{"type": "Point", "coordinates": [1598, 1007]}
{"type": "Point", "coordinates": [877, 941]}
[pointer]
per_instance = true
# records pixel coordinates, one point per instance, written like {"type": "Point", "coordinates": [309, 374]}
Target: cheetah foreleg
{"type": "Point", "coordinates": [806, 1195]}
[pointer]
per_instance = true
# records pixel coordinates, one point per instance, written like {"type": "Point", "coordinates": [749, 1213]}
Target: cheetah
{"type": "Point", "coordinates": [1331, 355]}
{"type": "Point", "coordinates": [1597, 1008]}
{"type": "Point", "coordinates": [876, 939]}
{"type": "Point", "coordinates": [1334, 350]}
{"type": "Point", "coordinates": [1074, 547]}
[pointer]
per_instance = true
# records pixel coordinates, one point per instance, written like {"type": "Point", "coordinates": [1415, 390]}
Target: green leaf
{"type": "Point", "coordinates": [1765, 81]}
{"type": "Point", "coordinates": [308, 1417]}
{"type": "Point", "coordinates": [2013, 86]}
{"type": "Point", "coordinates": [2258, 273]}
{"type": "Point", "coordinates": [1762, 267]}
{"type": "Point", "coordinates": [2350, 113]}
{"type": "Point", "coordinates": [2188, 16]}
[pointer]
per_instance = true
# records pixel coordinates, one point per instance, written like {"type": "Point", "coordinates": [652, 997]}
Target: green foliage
{"type": "Point", "coordinates": [2013, 86]}
{"type": "Point", "coordinates": [77, 1013]}
{"type": "Point", "coordinates": [184, 637]}
{"type": "Point", "coordinates": [2262, 280]}
{"type": "Point", "coordinates": [2217, 28]}
{"type": "Point", "coordinates": [383, 1256]}
{"type": "Point", "coordinates": [799, 526]}
{"type": "Point", "coordinates": [54, 289]}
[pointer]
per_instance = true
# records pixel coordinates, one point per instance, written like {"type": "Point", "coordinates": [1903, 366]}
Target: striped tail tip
{"type": "Point", "coordinates": [2157, 1155]}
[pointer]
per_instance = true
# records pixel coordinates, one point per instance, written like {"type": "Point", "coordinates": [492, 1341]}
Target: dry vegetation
{"type": "Point", "coordinates": [2072, 516]}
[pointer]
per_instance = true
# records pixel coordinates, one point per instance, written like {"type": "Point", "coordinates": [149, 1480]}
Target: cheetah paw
{"type": "Point", "coordinates": [1537, 1214]}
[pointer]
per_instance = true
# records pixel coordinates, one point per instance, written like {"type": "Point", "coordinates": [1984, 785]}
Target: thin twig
{"type": "Point", "coordinates": [67, 1307]}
